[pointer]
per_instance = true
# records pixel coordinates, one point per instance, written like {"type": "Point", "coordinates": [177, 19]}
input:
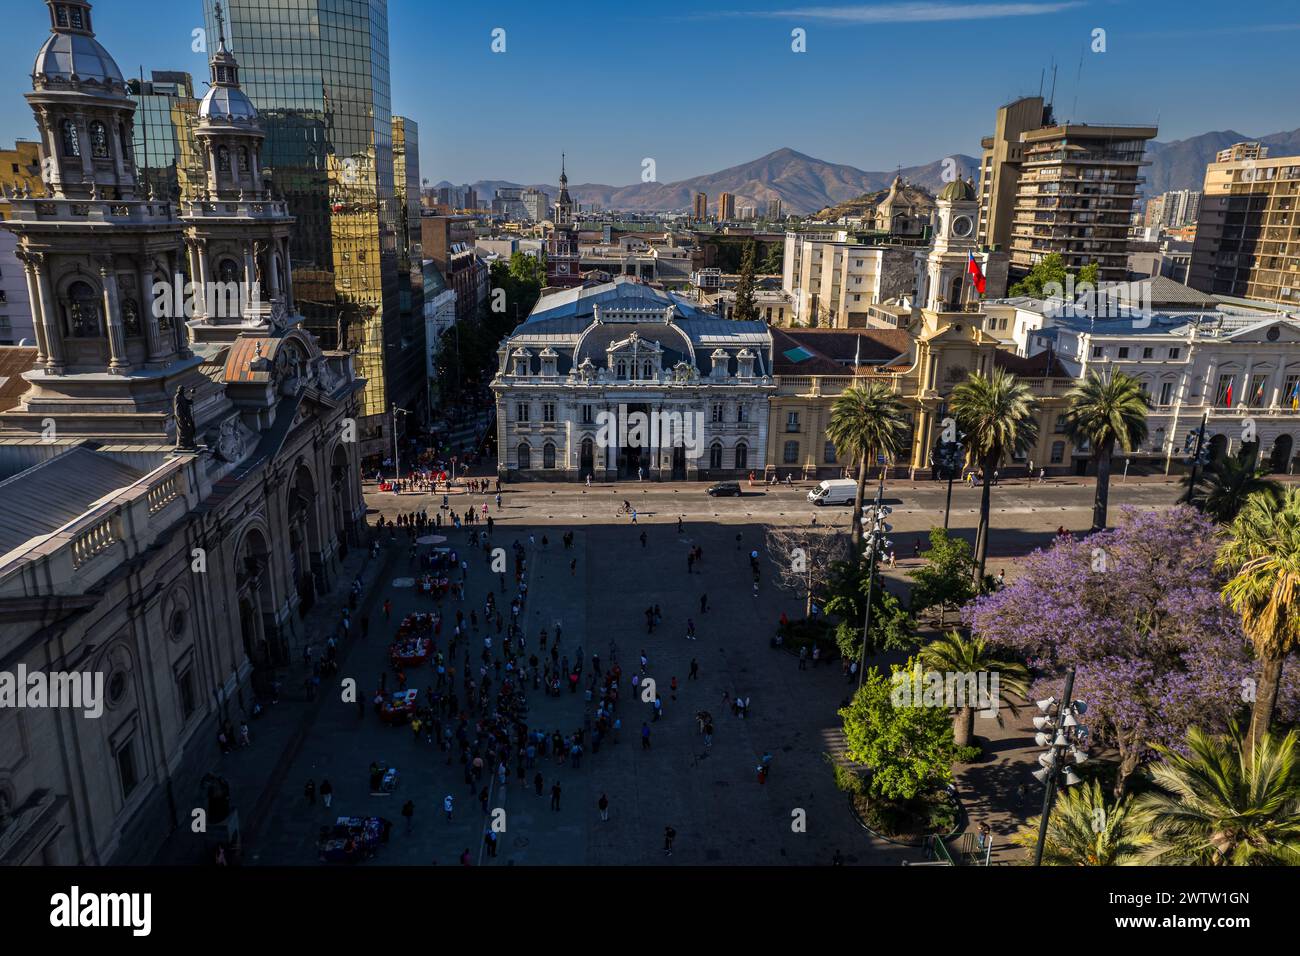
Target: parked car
{"type": "Point", "coordinates": [724, 489]}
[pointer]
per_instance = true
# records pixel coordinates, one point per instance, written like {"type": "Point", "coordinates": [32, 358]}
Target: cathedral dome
{"type": "Point", "coordinates": [65, 55]}
{"type": "Point", "coordinates": [227, 103]}
{"type": "Point", "coordinates": [959, 190]}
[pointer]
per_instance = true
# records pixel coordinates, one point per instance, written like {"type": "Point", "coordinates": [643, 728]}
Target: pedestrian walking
{"type": "Point", "coordinates": [603, 805]}
{"type": "Point", "coordinates": [645, 736]}
{"type": "Point", "coordinates": [408, 811]}
{"type": "Point", "coordinates": [669, 836]}
{"type": "Point", "coordinates": [310, 791]}
{"type": "Point", "coordinates": [555, 796]}
{"type": "Point", "coordinates": [447, 806]}
{"type": "Point", "coordinates": [695, 669]}
{"type": "Point", "coordinates": [326, 793]}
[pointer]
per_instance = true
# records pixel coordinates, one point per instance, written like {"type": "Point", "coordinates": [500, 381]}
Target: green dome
{"type": "Point", "coordinates": [959, 190]}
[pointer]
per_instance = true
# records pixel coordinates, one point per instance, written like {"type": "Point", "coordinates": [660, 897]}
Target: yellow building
{"type": "Point", "coordinates": [813, 367]}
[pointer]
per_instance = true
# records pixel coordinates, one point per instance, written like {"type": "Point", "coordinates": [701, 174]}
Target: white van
{"type": "Point", "coordinates": [839, 491]}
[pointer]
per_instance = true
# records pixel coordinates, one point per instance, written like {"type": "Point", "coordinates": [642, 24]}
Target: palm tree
{"type": "Point", "coordinates": [997, 414]}
{"type": "Point", "coordinates": [1262, 552]}
{"type": "Point", "coordinates": [1106, 412]}
{"type": "Point", "coordinates": [1224, 486]}
{"type": "Point", "coordinates": [953, 654]}
{"type": "Point", "coordinates": [1084, 830]}
{"type": "Point", "coordinates": [1225, 804]}
{"type": "Point", "coordinates": [866, 420]}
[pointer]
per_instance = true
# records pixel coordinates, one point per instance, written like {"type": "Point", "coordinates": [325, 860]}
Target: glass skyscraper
{"type": "Point", "coordinates": [163, 135]}
{"type": "Point", "coordinates": [317, 71]}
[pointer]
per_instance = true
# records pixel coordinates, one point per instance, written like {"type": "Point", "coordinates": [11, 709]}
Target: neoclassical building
{"type": "Point", "coordinates": [175, 489]}
{"type": "Point", "coordinates": [589, 364]}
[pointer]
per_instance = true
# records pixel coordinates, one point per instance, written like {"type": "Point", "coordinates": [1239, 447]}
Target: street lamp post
{"type": "Point", "coordinates": [1196, 455]}
{"type": "Point", "coordinates": [876, 541]}
{"type": "Point", "coordinates": [1059, 732]}
{"type": "Point", "coordinates": [397, 454]}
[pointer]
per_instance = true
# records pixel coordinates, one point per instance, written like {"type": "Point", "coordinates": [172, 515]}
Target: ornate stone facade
{"type": "Point", "coordinates": [174, 566]}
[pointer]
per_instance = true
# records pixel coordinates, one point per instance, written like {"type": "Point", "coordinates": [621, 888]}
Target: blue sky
{"type": "Point", "coordinates": [699, 87]}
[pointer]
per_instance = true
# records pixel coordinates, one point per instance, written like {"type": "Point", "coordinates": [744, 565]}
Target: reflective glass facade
{"type": "Point", "coordinates": [409, 372]}
{"type": "Point", "coordinates": [163, 136]}
{"type": "Point", "coordinates": [317, 71]}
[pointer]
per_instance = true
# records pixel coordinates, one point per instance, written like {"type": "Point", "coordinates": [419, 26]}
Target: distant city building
{"type": "Point", "coordinates": [508, 203]}
{"type": "Point", "coordinates": [1173, 209]}
{"type": "Point", "coordinates": [1248, 229]}
{"type": "Point", "coordinates": [774, 210]}
{"type": "Point", "coordinates": [536, 203]}
{"type": "Point", "coordinates": [726, 207]}
{"type": "Point", "coordinates": [1239, 152]}
{"type": "Point", "coordinates": [701, 209]}
{"type": "Point", "coordinates": [1075, 194]}
{"type": "Point", "coordinates": [449, 243]}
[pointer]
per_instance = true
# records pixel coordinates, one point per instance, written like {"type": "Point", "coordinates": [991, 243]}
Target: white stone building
{"type": "Point", "coordinates": [575, 379]}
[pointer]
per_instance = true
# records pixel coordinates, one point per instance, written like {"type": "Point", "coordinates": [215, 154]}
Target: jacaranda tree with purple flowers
{"type": "Point", "coordinates": [1137, 610]}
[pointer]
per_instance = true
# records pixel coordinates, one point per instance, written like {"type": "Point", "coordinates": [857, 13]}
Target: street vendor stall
{"type": "Point", "coordinates": [400, 707]}
{"type": "Point", "coordinates": [410, 652]}
{"type": "Point", "coordinates": [351, 839]}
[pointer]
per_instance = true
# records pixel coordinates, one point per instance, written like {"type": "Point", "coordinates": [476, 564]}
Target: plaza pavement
{"type": "Point", "coordinates": [709, 795]}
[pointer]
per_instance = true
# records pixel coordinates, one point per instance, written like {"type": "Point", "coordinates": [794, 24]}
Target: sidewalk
{"type": "Point", "coordinates": [256, 774]}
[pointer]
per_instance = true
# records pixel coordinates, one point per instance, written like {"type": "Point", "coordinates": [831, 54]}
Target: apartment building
{"type": "Point", "coordinates": [1248, 232]}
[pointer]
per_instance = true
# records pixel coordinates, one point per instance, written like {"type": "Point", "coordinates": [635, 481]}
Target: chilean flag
{"type": "Point", "coordinates": [977, 275]}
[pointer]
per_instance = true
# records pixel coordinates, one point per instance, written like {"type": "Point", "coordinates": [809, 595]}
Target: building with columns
{"type": "Point", "coordinates": [175, 491]}
{"type": "Point", "coordinates": [587, 360]}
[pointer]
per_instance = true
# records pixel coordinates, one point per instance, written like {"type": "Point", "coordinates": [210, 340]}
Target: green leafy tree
{"type": "Point", "coordinates": [1051, 268]}
{"type": "Point", "coordinates": [1224, 804]}
{"type": "Point", "coordinates": [907, 750]}
{"type": "Point", "coordinates": [891, 625]}
{"type": "Point", "coordinates": [997, 413]}
{"type": "Point", "coordinates": [953, 654]}
{"type": "Point", "coordinates": [866, 420]}
{"type": "Point", "coordinates": [946, 577]}
{"type": "Point", "coordinates": [746, 308]}
{"type": "Point", "coordinates": [1085, 829]}
{"type": "Point", "coordinates": [1223, 487]}
{"type": "Point", "coordinates": [1107, 412]}
{"type": "Point", "coordinates": [1262, 553]}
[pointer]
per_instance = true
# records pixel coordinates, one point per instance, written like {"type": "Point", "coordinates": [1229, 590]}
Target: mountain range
{"type": "Point", "coordinates": [805, 184]}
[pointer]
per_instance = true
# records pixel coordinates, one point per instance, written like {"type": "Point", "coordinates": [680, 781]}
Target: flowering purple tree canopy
{"type": "Point", "coordinates": [1138, 611]}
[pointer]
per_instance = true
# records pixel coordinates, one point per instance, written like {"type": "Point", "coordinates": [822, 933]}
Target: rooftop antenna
{"type": "Point", "coordinates": [1078, 79]}
{"type": "Point", "coordinates": [1051, 98]}
{"type": "Point", "coordinates": [1041, 73]}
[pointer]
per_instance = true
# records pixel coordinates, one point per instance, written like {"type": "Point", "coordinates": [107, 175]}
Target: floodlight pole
{"type": "Point", "coordinates": [1054, 770]}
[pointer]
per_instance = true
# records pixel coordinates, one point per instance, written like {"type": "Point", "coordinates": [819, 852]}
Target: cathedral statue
{"type": "Point", "coordinates": [183, 408]}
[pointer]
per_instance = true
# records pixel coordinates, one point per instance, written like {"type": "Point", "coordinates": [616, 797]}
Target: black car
{"type": "Point", "coordinates": [724, 489]}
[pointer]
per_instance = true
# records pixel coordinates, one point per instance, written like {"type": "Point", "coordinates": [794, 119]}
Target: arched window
{"type": "Point", "coordinates": [828, 453]}
{"type": "Point", "coordinates": [98, 140]}
{"type": "Point", "coordinates": [548, 455]}
{"type": "Point", "coordinates": [131, 319]}
{"type": "Point", "coordinates": [647, 370]}
{"type": "Point", "coordinates": [125, 140]}
{"type": "Point", "coordinates": [620, 370]}
{"type": "Point", "coordinates": [164, 319]}
{"type": "Point", "coordinates": [1058, 452]}
{"type": "Point", "coordinates": [522, 454]}
{"type": "Point", "coordinates": [715, 455]}
{"type": "Point", "coordinates": [83, 311]}
{"type": "Point", "coordinates": [71, 144]}
{"type": "Point", "coordinates": [223, 159]}
{"type": "Point", "coordinates": [243, 159]}
{"type": "Point", "coordinates": [228, 270]}
{"type": "Point", "coordinates": [742, 455]}
{"type": "Point", "coordinates": [954, 297]}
